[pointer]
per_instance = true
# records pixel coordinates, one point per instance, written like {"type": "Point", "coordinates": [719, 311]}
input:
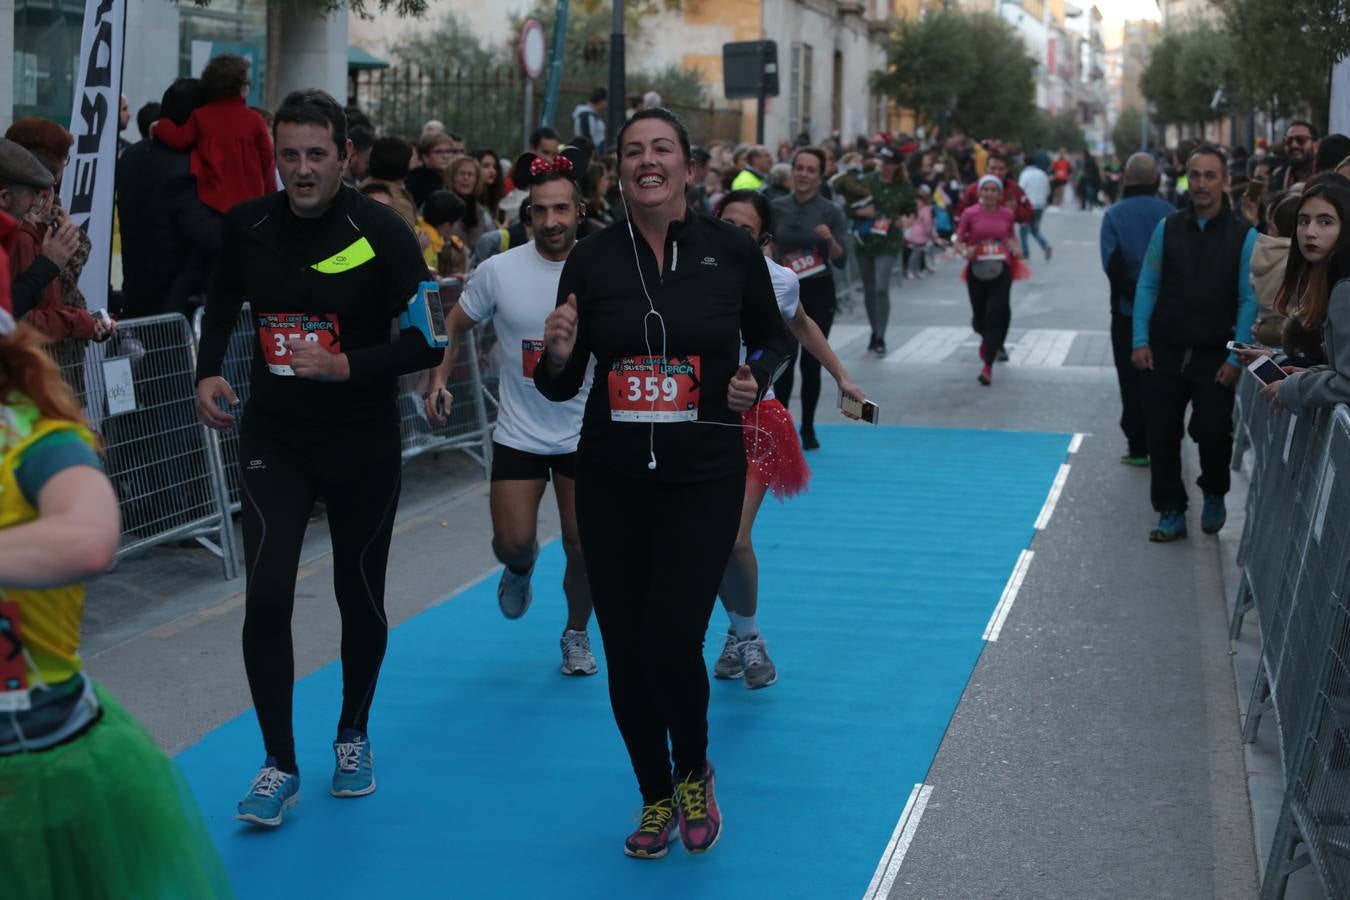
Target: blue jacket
{"type": "Point", "coordinates": [1126, 230]}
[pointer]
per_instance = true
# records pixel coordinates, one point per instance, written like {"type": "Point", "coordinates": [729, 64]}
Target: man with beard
{"type": "Point", "coordinates": [534, 440]}
{"type": "Point", "coordinates": [1300, 149]}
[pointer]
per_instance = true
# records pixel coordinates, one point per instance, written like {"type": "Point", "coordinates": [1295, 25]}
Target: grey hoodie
{"type": "Point", "coordinates": [1325, 385]}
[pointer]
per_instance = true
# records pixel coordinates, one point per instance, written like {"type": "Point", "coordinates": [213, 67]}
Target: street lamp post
{"type": "Point", "coordinates": [617, 90]}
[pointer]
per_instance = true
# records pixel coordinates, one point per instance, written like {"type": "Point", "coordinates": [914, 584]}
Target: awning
{"type": "Point", "coordinates": [359, 60]}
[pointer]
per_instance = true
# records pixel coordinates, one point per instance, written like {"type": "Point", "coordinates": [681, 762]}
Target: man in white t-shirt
{"type": "Point", "coordinates": [534, 438]}
{"type": "Point", "coordinates": [1036, 185]}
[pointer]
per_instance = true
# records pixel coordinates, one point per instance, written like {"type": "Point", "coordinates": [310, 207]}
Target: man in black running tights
{"type": "Point", "coordinates": [326, 272]}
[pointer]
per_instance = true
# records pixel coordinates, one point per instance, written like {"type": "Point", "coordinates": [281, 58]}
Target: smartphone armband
{"type": "Point", "coordinates": [425, 313]}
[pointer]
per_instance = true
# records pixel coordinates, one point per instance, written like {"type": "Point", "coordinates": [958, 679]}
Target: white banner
{"type": "Point", "coordinates": [87, 186]}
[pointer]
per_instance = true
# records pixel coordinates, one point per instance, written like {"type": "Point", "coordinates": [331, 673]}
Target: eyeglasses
{"type": "Point", "coordinates": [1298, 139]}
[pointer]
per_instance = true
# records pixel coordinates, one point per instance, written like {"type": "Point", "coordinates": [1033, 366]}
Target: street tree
{"type": "Point", "coordinates": [1128, 134]}
{"type": "Point", "coordinates": [1287, 52]}
{"type": "Point", "coordinates": [961, 70]}
{"type": "Point", "coordinates": [1185, 71]}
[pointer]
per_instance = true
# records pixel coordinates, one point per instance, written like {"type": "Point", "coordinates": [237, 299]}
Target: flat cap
{"type": "Point", "coordinates": [18, 166]}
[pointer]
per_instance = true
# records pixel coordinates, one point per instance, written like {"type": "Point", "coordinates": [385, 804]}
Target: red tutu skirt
{"type": "Point", "coordinates": [773, 452]}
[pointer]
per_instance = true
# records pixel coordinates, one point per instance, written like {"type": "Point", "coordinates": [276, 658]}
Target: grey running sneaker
{"type": "Point", "coordinates": [728, 665]}
{"type": "Point", "coordinates": [514, 593]}
{"type": "Point", "coordinates": [576, 652]}
{"type": "Point", "coordinates": [758, 668]}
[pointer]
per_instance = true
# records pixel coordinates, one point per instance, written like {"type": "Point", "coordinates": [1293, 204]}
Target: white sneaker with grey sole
{"type": "Point", "coordinates": [576, 652]}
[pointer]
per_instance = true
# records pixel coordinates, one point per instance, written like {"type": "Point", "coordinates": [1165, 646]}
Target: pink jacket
{"type": "Point", "coordinates": [920, 234]}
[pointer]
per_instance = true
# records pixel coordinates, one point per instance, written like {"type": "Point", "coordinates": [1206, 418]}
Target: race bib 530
{"type": "Point", "coordinates": [275, 330]}
{"type": "Point", "coordinates": [654, 389]}
{"type": "Point", "coordinates": [805, 263]}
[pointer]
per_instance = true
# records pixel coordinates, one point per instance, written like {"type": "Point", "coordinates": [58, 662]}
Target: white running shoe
{"type": "Point", "coordinates": [576, 652]}
{"type": "Point", "coordinates": [759, 670]}
{"type": "Point", "coordinates": [514, 593]}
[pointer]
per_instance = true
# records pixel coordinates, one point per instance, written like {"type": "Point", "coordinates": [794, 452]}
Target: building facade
{"type": "Point", "coordinates": [164, 40]}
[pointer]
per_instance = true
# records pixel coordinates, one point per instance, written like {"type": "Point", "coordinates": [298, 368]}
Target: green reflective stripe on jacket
{"type": "Point", "coordinates": [346, 259]}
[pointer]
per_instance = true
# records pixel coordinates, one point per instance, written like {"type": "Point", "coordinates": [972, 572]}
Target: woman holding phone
{"type": "Point", "coordinates": [1316, 291]}
{"type": "Point", "coordinates": [774, 460]}
{"type": "Point", "coordinates": [985, 235]}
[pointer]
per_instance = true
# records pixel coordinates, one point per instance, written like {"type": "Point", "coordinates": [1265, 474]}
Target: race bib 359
{"type": "Point", "coordinates": [654, 389]}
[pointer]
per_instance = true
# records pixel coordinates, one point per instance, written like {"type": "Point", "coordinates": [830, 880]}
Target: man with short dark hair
{"type": "Point", "coordinates": [544, 142]}
{"type": "Point", "coordinates": [1014, 198]}
{"type": "Point", "coordinates": [534, 440]}
{"type": "Point", "coordinates": [358, 168]}
{"type": "Point", "coordinates": [169, 237]}
{"type": "Point", "coordinates": [327, 272]}
{"type": "Point", "coordinates": [388, 162]}
{"type": "Point", "coordinates": [758, 162]}
{"type": "Point", "coordinates": [1300, 149]}
{"type": "Point", "coordinates": [588, 119]}
{"type": "Point", "coordinates": [1194, 294]}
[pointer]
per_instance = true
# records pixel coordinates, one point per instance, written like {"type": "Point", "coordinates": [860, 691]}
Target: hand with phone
{"type": "Point", "coordinates": [858, 407]}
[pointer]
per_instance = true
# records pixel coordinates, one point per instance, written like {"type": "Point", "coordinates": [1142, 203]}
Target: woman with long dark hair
{"type": "Point", "coordinates": [662, 301]}
{"type": "Point", "coordinates": [492, 184]}
{"type": "Point", "coordinates": [1316, 294]}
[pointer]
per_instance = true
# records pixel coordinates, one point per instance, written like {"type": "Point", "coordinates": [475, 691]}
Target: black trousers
{"type": "Point", "coordinates": [284, 468]}
{"type": "Point", "coordinates": [991, 311]}
{"type": "Point", "coordinates": [818, 300]}
{"type": "Point", "coordinates": [1127, 376]}
{"type": "Point", "coordinates": [1176, 380]}
{"type": "Point", "coordinates": [655, 553]}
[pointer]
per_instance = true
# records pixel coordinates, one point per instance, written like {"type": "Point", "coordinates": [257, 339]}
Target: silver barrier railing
{"type": "Point", "coordinates": [137, 391]}
{"type": "Point", "coordinates": [1295, 551]}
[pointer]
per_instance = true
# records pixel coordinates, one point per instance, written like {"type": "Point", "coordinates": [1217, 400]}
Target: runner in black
{"type": "Point", "coordinates": [326, 272]}
{"type": "Point", "coordinates": [661, 462]}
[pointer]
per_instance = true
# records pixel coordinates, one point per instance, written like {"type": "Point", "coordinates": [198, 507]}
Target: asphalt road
{"type": "Point", "coordinates": [1096, 750]}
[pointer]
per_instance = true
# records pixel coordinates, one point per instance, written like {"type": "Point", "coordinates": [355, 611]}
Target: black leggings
{"type": "Point", "coordinates": [991, 311]}
{"type": "Point", "coordinates": [818, 301]}
{"type": "Point", "coordinates": [358, 471]}
{"type": "Point", "coordinates": [655, 553]}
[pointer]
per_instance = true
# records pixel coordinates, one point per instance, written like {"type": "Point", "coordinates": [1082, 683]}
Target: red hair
{"type": "Point", "coordinates": [25, 367]}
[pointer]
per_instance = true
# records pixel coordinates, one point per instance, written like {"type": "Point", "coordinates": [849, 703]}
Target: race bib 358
{"type": "Point", "coordinates": [654, 389]}
{"type": "Point", "coordinates": [276, 329]}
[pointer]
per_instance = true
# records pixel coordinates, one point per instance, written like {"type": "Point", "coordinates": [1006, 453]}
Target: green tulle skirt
{"type": "Point", "coordinates": [105, 816]}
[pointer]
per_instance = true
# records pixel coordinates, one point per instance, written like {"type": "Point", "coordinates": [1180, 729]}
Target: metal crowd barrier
{"type": "Point", "coordinates": [1295, 553]}
{"type": "Point", "coordinates": [138, 393]}
{"type": "Point", "coordinates": [469, 428]}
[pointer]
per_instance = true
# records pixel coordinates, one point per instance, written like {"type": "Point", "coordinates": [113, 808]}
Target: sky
{"type": "Point", "coordinates": [1116, 11]}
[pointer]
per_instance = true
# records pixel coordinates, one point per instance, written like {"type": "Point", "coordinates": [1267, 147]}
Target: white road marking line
{"type": "Point", "coordinates": [931, 345]}
{"type": "Point", "coordinates": [1076, 443]}
{"type": "Point", "coordinates": [1043, 347]}
{"type": "Point", "coordinates": [889, 867]}
{"type": "Point", "coordinates": [1019, 574]}
{"type": "Point", "coordinates": [1056, 489]}
{"type": "Point", "coordinates": [843, 335]}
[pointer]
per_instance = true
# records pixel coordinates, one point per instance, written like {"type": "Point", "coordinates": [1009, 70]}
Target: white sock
{"type": "Point", "coordinates": [744, 627]}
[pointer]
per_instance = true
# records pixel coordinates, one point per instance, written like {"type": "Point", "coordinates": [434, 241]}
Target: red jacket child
{"type": "Point", "coordinates": [231, 151]}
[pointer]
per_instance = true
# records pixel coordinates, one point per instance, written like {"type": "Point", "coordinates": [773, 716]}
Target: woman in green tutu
{"type": "Point", "coordinates": [89, 807]}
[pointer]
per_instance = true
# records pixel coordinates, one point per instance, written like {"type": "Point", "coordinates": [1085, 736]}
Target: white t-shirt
{"type": "Point", "coordinates": [1036, 185]}
{"type": "Point", "coordinates": [517, 290]}
{"type": "Point", "coordinates": [788, 290]}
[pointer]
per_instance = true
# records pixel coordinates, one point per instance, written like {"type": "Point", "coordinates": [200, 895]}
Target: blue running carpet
{"type": "Point", "coordinates": [498, 777]}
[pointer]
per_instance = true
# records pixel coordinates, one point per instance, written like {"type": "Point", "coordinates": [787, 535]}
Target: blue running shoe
{"type": "Point", "coordinates": [1214, 514]}
{"type": "Point", "coordinates": [1171, 527]}
{"type": "Point", "coordinates": [269, 796]}
{"type": "Point", "coordinates": [354, 774]}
